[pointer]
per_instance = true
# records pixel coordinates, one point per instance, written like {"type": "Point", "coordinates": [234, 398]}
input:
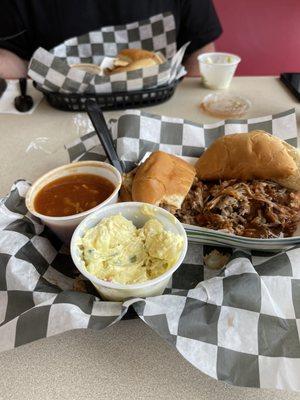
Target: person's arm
{"type": "Point", "coordinates": [15, 43]}
{"type": "Point", "coordinates": [11, 65]}
{"type": "Point", "coordinates": [191, 63]}
{"type": "Point", "coordinates": [199, 25]}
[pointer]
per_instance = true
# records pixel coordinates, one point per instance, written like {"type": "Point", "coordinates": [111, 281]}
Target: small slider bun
{"type": "Point", "coordinates": [144, 63]}
{"type": "Point", "coordinates": [163, 179]}
{"type": "Point", "coordinates": [132, 59]}
{"type": "Point", "coordinates": [253, 155]}
{"type": "Point", "coordinates": [131, 55]}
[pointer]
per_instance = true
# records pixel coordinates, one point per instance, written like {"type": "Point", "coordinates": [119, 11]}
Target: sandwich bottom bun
{"type": "Point", "coordinates": [88, 67]}
{"type": "Point", "coordinates": [248, 156]}
{"type": "Point", "coordinates": [163, 179]}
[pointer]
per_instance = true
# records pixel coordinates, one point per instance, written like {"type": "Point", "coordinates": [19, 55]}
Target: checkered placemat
{"type": "Point", "coordinates": [51, 69]}
{"type": "Point", "coordinates": [240, 326]}
{"type": "Point", "coordinates": [39, 286]}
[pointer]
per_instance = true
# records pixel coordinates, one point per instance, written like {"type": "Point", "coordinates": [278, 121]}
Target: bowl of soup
{"type": "Point", "coordinates": [63, 197]}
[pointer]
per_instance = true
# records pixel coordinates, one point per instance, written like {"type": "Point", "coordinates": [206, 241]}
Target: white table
{"type": "Point", "coordinates": [127, 360]}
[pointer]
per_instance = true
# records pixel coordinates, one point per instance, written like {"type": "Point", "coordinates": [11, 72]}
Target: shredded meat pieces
{"type": "Point", "coordinates": [259, 209]}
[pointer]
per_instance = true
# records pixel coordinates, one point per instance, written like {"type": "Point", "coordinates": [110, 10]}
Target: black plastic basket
{"type": "Point", "coordinates": [109, 101]}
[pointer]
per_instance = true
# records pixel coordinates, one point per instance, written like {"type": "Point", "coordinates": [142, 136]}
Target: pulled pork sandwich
{"type": "Point", "coordinates": [247, 185]}
{"type": "Point", "coordinates": [257, 209]}
{"type": "Point", "coordinates": [132, 59]}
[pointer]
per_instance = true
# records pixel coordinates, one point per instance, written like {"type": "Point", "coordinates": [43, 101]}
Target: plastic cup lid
{"type": "Point", "coordinates": [225, 105]}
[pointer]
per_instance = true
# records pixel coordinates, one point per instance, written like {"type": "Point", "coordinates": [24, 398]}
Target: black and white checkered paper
{"type": "Point", "coordinates": [240, 326]}
{"type": "Point", "coordinates": [52, 71]}
{"type": "Point", "coordinates": [137, 132]}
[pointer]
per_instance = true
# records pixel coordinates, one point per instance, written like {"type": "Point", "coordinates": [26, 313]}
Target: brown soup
{"type": "Point", "coordinates": [72, 194]}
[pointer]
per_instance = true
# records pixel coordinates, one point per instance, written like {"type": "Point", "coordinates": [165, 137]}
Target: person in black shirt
{"type": "Point", "coordinates": [26, 25]}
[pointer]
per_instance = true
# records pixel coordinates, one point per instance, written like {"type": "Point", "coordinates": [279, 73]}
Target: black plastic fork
{"type": "Point", "coordinates": [96, 116]}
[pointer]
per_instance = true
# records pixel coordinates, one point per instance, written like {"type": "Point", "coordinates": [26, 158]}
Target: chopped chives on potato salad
{"type": "Point", "coordinates": [116, 250]}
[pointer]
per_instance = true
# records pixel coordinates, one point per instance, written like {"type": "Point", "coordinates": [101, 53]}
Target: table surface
{"type": "Point", "coordinates": [127, 360]}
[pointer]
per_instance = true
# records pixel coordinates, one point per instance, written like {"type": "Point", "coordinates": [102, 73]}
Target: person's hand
{"type": "Point", "coordinates": [12, 66]}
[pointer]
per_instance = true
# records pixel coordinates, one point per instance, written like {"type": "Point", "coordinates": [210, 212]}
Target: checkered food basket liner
{"type": "Point", "coordinates": [137, 132]}
{"type": "Point", "coordinates": [51, 69]}
{"type": "Point", "coordinates": [240, 325]}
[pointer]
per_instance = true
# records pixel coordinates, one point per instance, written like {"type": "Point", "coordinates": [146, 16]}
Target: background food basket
{"type": "Point", "coordinates": [109, 101]}
{"type": "Point", "coordinates": [68, 88]}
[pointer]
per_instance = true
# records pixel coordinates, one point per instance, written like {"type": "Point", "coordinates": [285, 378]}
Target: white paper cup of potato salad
{"type": "Point", "coordinates": [217, 69]}
{"type": "Point", "coordinates": [129, 249]}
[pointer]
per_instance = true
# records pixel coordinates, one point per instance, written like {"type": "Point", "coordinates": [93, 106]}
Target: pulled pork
{"type": "Point", "coordinates": [258, 209]}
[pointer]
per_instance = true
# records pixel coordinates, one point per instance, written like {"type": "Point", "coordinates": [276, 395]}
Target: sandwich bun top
{"type": "Point", "coordinates": [143, 63]}
{"type": "Point", "coordinates": [163, 179]}
{"type": "Point", "coordinates": [132, 59]}
{"type": "Point", "coordinates": [248, 156]}
{"type": "Point", "coordinates": [131, 55]}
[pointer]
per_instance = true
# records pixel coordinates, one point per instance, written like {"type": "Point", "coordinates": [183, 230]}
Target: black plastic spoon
{"type": "Point", "coordinates": [24, 102]}
{"type": "Point", "coordinates": [3, 86]}
{"type": "Point", "coordinates": [96, 116]}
